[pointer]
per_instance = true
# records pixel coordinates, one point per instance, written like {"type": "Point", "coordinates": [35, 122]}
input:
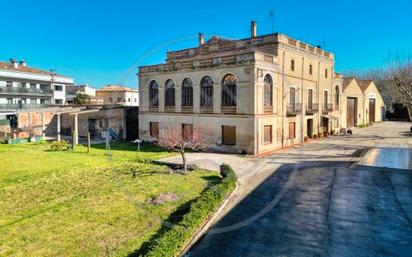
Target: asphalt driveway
{"type": "Point", "coordinates": [317, 203]}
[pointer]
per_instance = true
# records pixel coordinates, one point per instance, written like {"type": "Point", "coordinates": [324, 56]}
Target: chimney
{"type": "Point", "coordinates": [22, 63]}
{"type": "Point", "coordinates": [14, 63]}
{"type": "Point", "coordinates": [253, 29]}
{"type": "Point", "coordinates": [201, 39]}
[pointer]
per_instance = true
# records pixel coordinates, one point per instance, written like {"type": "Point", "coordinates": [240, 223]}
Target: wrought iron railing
{"type": "Point", "coordinates": [312, 108]}
{"type": "Point", "coordinates": [25, 91]}
{"type": "Point", "coordinates": [206, 109]}
{"type": "Point", "coordinates": [326, 107]}
{"type": "Point", "coordinates": [170, 109]}
{"type": "Point", "coordinates": [268, 109]}
{"type": "Point", "coordinates": [187, 109]}
{"type": "Point", "coordinates": [229, 109]}
{"type": "Point", "coordinates": [293, 108]}
{"type": "Point", "coordinates": [23, 106]}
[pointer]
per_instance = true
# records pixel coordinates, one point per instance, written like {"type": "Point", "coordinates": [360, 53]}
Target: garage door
{"type": "Point", "coordinates": [371, 110]}
{"type": "Point", "coordinates": [351, 112]}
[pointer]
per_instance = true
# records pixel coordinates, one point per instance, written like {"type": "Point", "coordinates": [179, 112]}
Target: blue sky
{"type": "Point", "coordinates": [102, 42]}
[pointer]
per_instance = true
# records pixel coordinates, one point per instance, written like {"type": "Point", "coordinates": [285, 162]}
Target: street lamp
{"type": "Point", "coordinates": [138, 142]}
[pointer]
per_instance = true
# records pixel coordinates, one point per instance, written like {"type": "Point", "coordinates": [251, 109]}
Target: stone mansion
{"type": "Point", "coordinates": [252, 95]}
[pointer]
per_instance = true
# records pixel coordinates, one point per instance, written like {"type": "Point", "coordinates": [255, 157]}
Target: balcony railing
{"type": "Point", "coordinates": [268, 109]}
{"type": "Point", "coordinates": [206, 109]}
{"type": "Point", "coordinates": [187, 109]}
{"type": "Point", "coordinates": [170, 109]}
{"type": "Point", "coordinates": [23, 106]}
{"type": "Point", "coordinates": [229, 109]}
{"type": "Point", "coordinates": [326, 108]}
{"type": "Point", "coordinates": [312, 108]}
{"type": "Point", "coordinates": [24, 91]}
{"type": "Point", "coordinates": [293, 109]}
{"type": "Point", "coordinates": [153, 108]}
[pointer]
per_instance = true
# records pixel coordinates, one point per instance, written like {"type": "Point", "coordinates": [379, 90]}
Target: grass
{"type": "Point", "coordinates": [74, 203]}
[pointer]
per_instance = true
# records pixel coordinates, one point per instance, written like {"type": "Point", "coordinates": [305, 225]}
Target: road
{"type": "Point", "coordinates": [318, 203]}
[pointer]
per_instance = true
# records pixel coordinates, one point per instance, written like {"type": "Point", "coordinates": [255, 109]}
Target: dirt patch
{"type": "Point", "coordinates": [164, 198]}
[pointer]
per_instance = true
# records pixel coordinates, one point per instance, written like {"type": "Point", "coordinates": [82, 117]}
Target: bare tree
{"type": "Point", "coordinates": [180, 139]}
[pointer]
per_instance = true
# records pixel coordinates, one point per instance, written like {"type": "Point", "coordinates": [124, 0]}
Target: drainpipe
{"type": "Point", "coordinates": [301, 102]}
{"type": "Point", "coordinates": [283, 109]}
{"type": "Point", "coordinates": [318, 93]}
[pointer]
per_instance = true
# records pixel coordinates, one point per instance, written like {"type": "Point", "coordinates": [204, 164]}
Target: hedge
{"type": "Point", "coordinates": [171, 243]}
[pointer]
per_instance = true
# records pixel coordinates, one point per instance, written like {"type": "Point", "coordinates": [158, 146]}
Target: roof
{"type": "Point", "coordinates": [26, 69]}
{"type": "Point", "coordinates": [346, 82]}
{"type": "Point", "coordinates": [364, 84]}
{"type": "Point", "coordinates": [116, 88]}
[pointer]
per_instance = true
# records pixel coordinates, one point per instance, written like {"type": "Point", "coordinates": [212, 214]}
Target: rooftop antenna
{"type": "Point", "coordinates": [272, 16]}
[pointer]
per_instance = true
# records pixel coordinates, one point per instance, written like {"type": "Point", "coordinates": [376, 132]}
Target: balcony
{"type": "Point", "coordinates": [187, 109]}
{"type": "Point", "coordinates": [206, 109]}
{"type": "Point", "coordinates": [153, 108]}
{"type": "Point", "coordinates": [229, 109]}
{"type": "Point", "coordinates": [23, 106]}
{"type": "Point", "coordinates": [312, 108]}
{"type": "Point", "coordinates": [293, 109]}
{"type": "Point", "coordinates": [268, 109]}
{"type": "Point", "coordinates": [25, 91]}
{"type": "Point", "coordinates": [170, 109]}
{"type": "Point", "coordinates": [326, 108]}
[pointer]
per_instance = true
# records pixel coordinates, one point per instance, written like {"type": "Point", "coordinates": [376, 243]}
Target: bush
{"type": "Point", "coordinates": [171, 243]}
{"type": "Point", "coordinates": [60, 146]}
{"type": "Point", "coordinates": [306, 139]}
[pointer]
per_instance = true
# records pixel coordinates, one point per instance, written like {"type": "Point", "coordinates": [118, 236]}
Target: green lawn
{"type": "Point", "coordinates": [75, 203]}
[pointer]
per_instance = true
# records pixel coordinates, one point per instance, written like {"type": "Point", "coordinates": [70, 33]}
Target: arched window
{"type": "Point", "coordinates": [153, 94]}
{"type": "Point", "coordinates": [187, 92]}
{"type": "Point", "coordinates": [206, 92]}
{"type": "Point", "coordinates": [229, 90]}
{"type": "Point", "coordinates": [169, 93]}
{"type": "Point", "coordinates": [268, 91]}
{"type": "Point", "coordinates": [337, 96]}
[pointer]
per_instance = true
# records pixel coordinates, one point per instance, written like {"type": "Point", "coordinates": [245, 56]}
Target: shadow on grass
{"type": "Point", "coordinates": [127, 146]}
{"type": "Point", "coordinates": [173, 218]}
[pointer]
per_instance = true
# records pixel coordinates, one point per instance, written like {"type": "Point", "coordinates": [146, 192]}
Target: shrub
{"type": "Point", "coordinates": [60, 146]}
{"type": "Point", "coordinates": [315, 136]}
{"type": "Point", "coordinates": [171, 243]}
{"type": "Point", "coordinates": [306, 139]}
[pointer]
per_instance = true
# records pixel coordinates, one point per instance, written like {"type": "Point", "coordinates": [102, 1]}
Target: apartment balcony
{"type": "Point", "coordinates": [170, 109]}
{"type": "Point", "coordinates": [25, 91]}
{"type": "Point", "coordinates": [206, 109]}
{"type": "Point", "coordinates": [326, 108]}
{"type": "Point", "coordinates": [23, 106]}
{"type": "Point", "coordinates": [187, 109]}
{"type": "Point", "coordinates": [293, 109]}
{"type": "Point", "coordinates": [153, 108]}
{"type": "Point", "coordinates": [229, 109]}
{"type": "Point", "coordinates": [312, 108]}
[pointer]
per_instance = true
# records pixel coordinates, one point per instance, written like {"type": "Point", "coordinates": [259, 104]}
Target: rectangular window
{"type": "Point", "coordinates": [292, 95]}
{"type": "Point", "coordinates": [292, 130]}
{"type": "Point", "coordinates": [154, 130]}
{"type": "Point", "coordinates": [9, 83]}
{"type": "Point", "coordinates": [58, 101]}
{"type": "Point", "coordinates": [33, 101]}
{"type": "Point", "coordinates": [292, 65]}
{"type": "Point", "coordinates": [32, 86]}
{"type": "Point", "coordinates": [119, 99]}
{"type": "Point", "coordinates": [326, 73]}
{"type": "Point", "coordinates": [310, 69]}
{"type": "Point", "coordinates": [267, 134]}
{"type": "Point", "coordinates": [23, 100]}
{"type": "Point", "coordinates": [9, 100]}
{"type": "Point", "coordinates": [187, 132]}
{"type": "Point", "coordinates": [325, 97]}
{"type": "Point", "coordinates": [310, 97]}
{"type": "Point", "coordinates": [58, 87]}
{"type": "Point", "coordinates": [229, 135]}
{"type": "Point", "coordinates": [128, 100]}
{"type": "Point", "coordinates": [110, 100]}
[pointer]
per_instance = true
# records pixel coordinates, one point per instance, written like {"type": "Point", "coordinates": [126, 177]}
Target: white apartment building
{"type": "Point", "coordinates": [22, 86]}
{"type": "Point", "coordinates": [120, 95]}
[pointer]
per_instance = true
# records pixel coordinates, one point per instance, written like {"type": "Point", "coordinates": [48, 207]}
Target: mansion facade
{"type": "Point", "coordinates": [252, 95]}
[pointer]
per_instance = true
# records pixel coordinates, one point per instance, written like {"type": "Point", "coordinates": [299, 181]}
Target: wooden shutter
{"type": "Point", "coordinates": [292, 131]}
{"type": "Point", "coordinates": [228, 135]}
{"type": "Point", "coordinates": [267, 134]}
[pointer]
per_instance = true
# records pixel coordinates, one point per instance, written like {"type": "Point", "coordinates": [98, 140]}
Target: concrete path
{"type": "Point", "coordinates": [311, 201]}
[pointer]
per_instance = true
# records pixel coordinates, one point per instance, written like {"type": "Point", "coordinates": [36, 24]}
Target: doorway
{"type": "Point", "coordinates": [371, 110]}
{"type": "Point", "coordinates": [352, 110]}
{"type": "Point", "coordinates": [309, 128]}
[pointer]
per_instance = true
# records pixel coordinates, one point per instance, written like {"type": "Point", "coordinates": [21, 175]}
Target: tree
{"type": "Point", "coordinates": [81, 98]}
{"type": "Point", "coordinates": [179, 139]}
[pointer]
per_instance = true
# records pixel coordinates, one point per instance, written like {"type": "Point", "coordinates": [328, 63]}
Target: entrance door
{"type": "Point", "coordinates": [351, 112]}
{"type": "Point", "coordinates": [309, 128]}
{"type": "Point", "coordinates": [371, 110]}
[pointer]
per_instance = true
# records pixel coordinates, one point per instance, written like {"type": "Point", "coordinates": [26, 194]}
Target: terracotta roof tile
{"type": "Point", "coordinates": [26, 69]}
{"type": "Point", "coordinates": [116, 88]}
{"type": "Point", "coordinates": [346, 82]}
{"type": "Point", "coordinates": [364, 84]}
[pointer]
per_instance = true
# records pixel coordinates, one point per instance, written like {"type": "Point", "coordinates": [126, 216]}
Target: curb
{"type": "Point", "coordinates": [208, 223]}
